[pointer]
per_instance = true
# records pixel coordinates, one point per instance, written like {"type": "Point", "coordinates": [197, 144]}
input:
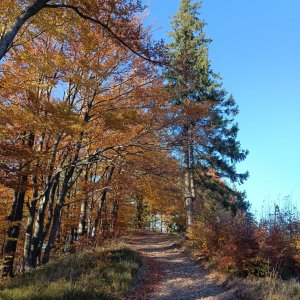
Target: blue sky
{"type": "Point", "coordinates": [256, 50]}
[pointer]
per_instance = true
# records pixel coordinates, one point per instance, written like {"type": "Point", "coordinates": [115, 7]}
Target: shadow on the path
{"type": "Point", "coordinates": [182, 278]}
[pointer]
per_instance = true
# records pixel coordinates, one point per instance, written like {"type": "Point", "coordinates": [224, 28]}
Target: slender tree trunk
{"type": "Point", "coordinates": [102, 201]}
{"type": "Point", "coordinates": [29, 226]}
{"type": "Point", "coordinates": [189, 190]}
{"type": "Point", "coordinates": [83, 215]}
{"type": "Point", "coordinates": [14, 219]}
{"type": "Point", "coordinates": [192, 169]}
{"type": "Point", "coordinates": [139, 211]}
{"type": "Point", "coordinates": [50, 186]}
{"type": "Point", "coordinates": [66, 186]}
{"type": "Point", "coordinates": [114, 215]}
{"type": "Point", "coordinates": [12, 232]}
{"type": "Point", "coordinates": [105, 223]}
{"type": "Point", "coordinates": [32, 211]}
{"type": "Point", "coordinates": [83, 208]}
{"type": "Point", "coordinates": [53, 232]}
{"type": "Point", "coordinates": [57, 215]}
{"type": "Point", "coordinates": [90, 208]}
{"type": "Point", "coordinates": [41, 231]}
{"type": "Point", "coordinates": [99, 213]}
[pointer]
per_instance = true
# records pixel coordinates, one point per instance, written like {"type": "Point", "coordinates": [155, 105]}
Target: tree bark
{"type": "Point", "coordinates": [189, 189]}
{"type": "Point", "coordinates": [82, 230]}
{"type": "Point", "coordinates": [139, 211]}
{"type": "Point", "coordinates": [40, 231]}
{"type": "Point", "coordinates": [66, 186]}
{"type": "Point", "coordinates": [14, 219]}
{"type": "Point", "coordinates": [32, 211]}
{"type": "Point", "coordinates": [50, 185]}
{"type": "Point", "coordinates": [102, 201]}
{"type": "Point", "coordinates": [29, 226]}
{"type": "Point", "coordinates": [57, 215]}
{"type": "Point", "coordinates": [114, 215]}
{"type": "Point", "coordinates": [12, 232]}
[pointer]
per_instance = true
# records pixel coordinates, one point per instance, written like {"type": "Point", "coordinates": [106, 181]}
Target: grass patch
{"type": "Point", "coordinates": [269, 288]}
{"type": "Point", "coordinates": [104, 273]}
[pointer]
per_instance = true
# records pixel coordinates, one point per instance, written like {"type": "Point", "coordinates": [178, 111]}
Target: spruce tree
{"type": "Point", "coordinates": [204, 133]}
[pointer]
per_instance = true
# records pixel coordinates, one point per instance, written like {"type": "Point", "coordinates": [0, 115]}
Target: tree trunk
{"type": "Point", "coordinates": [189, 189]}
{"type": "Point", "coordinates": [83, 208]}
{"type": "Point", "coordinates": [12, 232]}
{"type": "Point", "coordinates": [57, 215]}
{"type": "Point", "coordinates": [53, 232]}
{"type": "Point", "coordinates": [40, 231]}
{"type": "Point", "coordinates": [15, 218]}
{"type": "Point", "coordinates": [66, 186]}
{"type": "Point", "coordinates": [102, 202]}
{"type": "Point", "coordinates": [139, 211]}
{"type": "Point", "coordinates": [32, 210]}
{"type": "Point", "coordinates": [29, 226]}
{"type": "Point", "coordinates": [90, 208]}
{"type": "Point", "coordinates": [50, 186]}
{"type": "Point", "coordinates": [114, 215]}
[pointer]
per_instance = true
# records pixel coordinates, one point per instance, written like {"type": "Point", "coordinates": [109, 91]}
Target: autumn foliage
{"type": "Point", "coordinates": [81, 106]}
{"type": "Point", "coordinates": [101, 129]}
{"type": "Point", "coordinates": [237, 244]}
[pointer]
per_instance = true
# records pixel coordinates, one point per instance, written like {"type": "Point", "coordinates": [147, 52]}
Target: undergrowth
{"type": "Point", "coordinates": [269, 288]}
{"type": "Point", "coordinates": [103, 273]}
{"type": "Point", "coordinates": [262, 257]}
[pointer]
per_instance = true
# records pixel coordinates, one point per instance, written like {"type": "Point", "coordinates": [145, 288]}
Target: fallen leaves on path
{"type": "Point", "coordinates": [169, 274]}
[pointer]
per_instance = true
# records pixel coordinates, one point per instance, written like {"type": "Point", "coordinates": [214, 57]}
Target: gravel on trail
{"type": "Point", "coordinates": [170, 275]}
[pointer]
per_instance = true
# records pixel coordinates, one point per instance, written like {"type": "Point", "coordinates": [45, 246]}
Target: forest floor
{"type": "Point", "coordinates": [106, 273]}
{"type": "Point", "coordinates": [168, 273]}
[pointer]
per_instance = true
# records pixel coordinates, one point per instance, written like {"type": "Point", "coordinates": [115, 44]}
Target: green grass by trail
{"type": "Point", "coordinates": [105, 273]}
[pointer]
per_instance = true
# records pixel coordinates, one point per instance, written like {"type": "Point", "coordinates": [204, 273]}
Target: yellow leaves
{"type": "Point", "coordinates": [9, 10]}
{"type": "Point", "coordinates": [114, 121]}
{"type": "Point", "coordinates": [122, 121]}
{"type": "Point", "coordinates": [60, 118]}
{"type": "Point", "coordinates": [39, 117]}
{"type": "Point", "coordinates": [161, 194]}
{"type": "Point", "coordinates": [132, 117]}
{"type": "Point", "coordinates": [16, 119]}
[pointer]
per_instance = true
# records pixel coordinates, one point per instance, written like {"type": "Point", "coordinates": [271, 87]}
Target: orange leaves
{"type": "Point", "coordinates": [226, 239]}
{"type": "Point", "coordinates": [237, 244]}
{"type": "Point", "coordinates": [9, 10]}
{"type": "Point", "coordinates": [122, 122]}
{"type": "Point", "coordinates": [74, 103]}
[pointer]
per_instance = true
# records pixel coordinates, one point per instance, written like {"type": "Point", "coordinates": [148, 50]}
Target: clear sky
{"type": "Point", "coordinates": [256, 50]}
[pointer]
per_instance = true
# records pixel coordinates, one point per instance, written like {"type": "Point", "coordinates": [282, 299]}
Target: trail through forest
{"type": "Point", "coordinates": [170, 274]}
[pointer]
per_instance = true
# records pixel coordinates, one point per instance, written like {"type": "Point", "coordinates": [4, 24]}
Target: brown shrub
{"type": "Point", "coordinates": [237, 244]}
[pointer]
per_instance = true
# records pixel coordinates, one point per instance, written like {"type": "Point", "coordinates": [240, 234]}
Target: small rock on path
{"type": "Point", "coordinates": [180, 277]}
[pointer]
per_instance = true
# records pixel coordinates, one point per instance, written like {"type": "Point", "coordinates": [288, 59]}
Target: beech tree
{"type": "Point", "coordinates": [203, 131]}
{"type": "Point", "coordinates": [112, 16]}
{"type": "Point", "coordinates": [76, 112]}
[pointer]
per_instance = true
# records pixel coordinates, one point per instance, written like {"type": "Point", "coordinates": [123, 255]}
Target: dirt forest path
{"type": "Point", "coordinates": [170, 275]}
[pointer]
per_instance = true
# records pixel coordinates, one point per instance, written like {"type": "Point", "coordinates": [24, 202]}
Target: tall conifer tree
{"type": "Point", "coordinates": [204, 131]}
